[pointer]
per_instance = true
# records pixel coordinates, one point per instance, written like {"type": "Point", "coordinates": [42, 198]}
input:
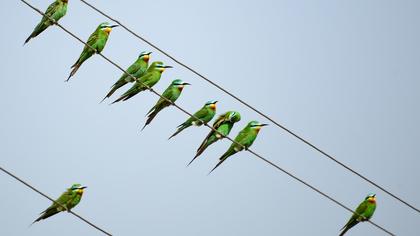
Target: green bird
{"type": "Point", "coordinates": [97, 40]}
{"type": "Point", "coordinates": [65, 202]}
{"type": "Point", "coordinates": [150, 78]}
{"type": "Point", "coordinates": [172, 93]}
{"type": "Point", "coordinates": [224, 124]}
{"type": "Point", "coordinates": [205, 114]}
{"type": "Point", "coordinates": [137, 69]}
{"type": "Point", "coordinates": [363, 213]}
{"type": "Point", "coordinates": [245, 138]}
{"type": "Point", "coordinates": [56, 11]}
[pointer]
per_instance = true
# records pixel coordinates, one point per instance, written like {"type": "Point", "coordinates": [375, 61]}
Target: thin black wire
{"type": "Point", "coordinates": [255, 109]}
{"type": "Point", "coordinates": [46, 196]}
{"type": "Point", "coordinates": [212, 128]}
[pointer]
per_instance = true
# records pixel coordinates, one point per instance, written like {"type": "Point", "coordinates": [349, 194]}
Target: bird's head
{"type": "Point", "coordinates": [106, 27]}
{"type": "Point", "coordinates": [179, 84]}
{"type": "Point", "coordinates": [371, 198]}
{"type": "Point", "coordinates": [159, 66]}
{"type": "Point", "coordinates": [211, 104]}
{"type": "Point", "coordinates": [255, 125]}
{"type": "Point", "coordinates": [77, 188]}
{"type": "Point", "coordinates": [145, 56]}
{"type": "Point", "coordinates": [234, 116]}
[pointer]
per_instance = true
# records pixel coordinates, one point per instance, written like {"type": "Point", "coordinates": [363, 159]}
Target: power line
{"type": "Point", "coordinates": [49, 198]}
{"type": "Point", "coordinates": [191, 115]}
{"type": "Point", "coordinates": [255, 109]}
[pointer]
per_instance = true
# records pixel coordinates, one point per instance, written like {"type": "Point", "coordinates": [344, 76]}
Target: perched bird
{"type": "Point", "coordinates": [150, 78]}
{"type": "Point", "coordinates": [205, 114]}
{"type": "Point", "coordinates": [65, 202]}
{"type": "Point", "coordinates": [246, 137]}
{"type": "Point", "coordinates": [97, 40]}
{"type": "Point", "coordinates": [172, 93]}
{"type": "Point", "coordinates": [363, 213]}
{"type": "Point", "coordinates": [56, 11]}
{"type": "Point", "coordinates": [137, 69]}
{"type": "Point", "coordinates": [223, 124]}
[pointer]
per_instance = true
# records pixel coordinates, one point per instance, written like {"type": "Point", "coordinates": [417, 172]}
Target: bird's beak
{"type": "Point", "coordinates": [113, 26]}
{"type": "Point", "coordinates": [167, 67]}
{"type": "Point", "coordinates": [83, 187]}
{"type": "Point", "coordinates": [148, 53]}
{"type": "Point", "coordinates": [185, 83]}
{"type": "Point", "coordinates": [263, 125]}
{"type": "Point", "coordinates": [215, 102]}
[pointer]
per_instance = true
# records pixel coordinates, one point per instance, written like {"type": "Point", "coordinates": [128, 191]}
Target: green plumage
{"type": "Point", "coordinates": [172, 93]}
{"type": "Point", "coordinates": [363, 212]}
{"type": "Point", "coordinates": [245, 138]}
{"type": "Point", "coordinates": [97, 41]}
{"type": "Point", "coordinates": [150, 78]}
{"type": "Point", "coordinates": [56, 11]}
{"type": "Point", "coordinates": [65, 202]}
{"type": "Point", "coordinates": [137, 69]}
{"type": "Point", "coordinates": [223, 124]}
{"type": "Point", "coordinates": [205, 114]}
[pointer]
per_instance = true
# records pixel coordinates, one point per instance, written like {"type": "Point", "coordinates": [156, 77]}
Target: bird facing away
{"type": "Point", "coordinates": [97, 40]}
{"type": "Point", "coordinates": [56, 11]}
{"type": "Point", "coordinates": [137, 69]}
{"type": "Point", "coordinates": [172, 93]}
{"type": "Point", "coordinates": [223, 124]}
{"type": "Point", "coordinates": [363, 213]}
{"type": "Point", "coordinates": [65, 202]}
{"type": "Point", "coordinates": [245, 138]}
{"type": "Point", "coordinates": [205, 114]}
{"type": "Point", "coordinates": [148, 80]}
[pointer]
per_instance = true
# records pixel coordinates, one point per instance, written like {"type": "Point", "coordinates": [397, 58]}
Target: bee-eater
{"type": "Point", "coordinates": [65, 202]}
{"type": "Point", "coordinates": [223, 124]}
{"type": "Point", "coordinates": [363, 212]}
{"type": "Point", "coordinates": [205, 114]}
{"type": "Point", "coordinates": [172, 93]}
{"type": "Point", "coordinates": [55, 10]}
{"type": "Point", "coordinates": [97, 40]}
{"type": "Point", "coordinates": [137, 69]}
{"type": "Point", "coordinates": [150, 78]}
{"type": "Point", "coordinates": [245, 138]}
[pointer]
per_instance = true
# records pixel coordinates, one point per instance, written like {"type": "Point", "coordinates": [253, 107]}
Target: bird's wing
{"type": "Point", "coordinates": [201, 113]}
{"type": "Point", "coordinates": [52, 8]}
{"type": "Point", "coordinates": [360, 210]}
{"type": "Point", "coordinates": [161, 103]}
{"type": "Point", "coordinates": [219, 121]}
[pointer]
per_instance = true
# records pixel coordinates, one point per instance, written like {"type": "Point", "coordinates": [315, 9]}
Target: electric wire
{"type": "Point", "coordinates": [49, 198]}
{"type": "Point", "coordinates": [191, 115]}
{"type": "Point", "coordinates": [294, 134]}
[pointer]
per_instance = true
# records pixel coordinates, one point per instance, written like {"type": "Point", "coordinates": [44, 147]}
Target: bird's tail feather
{"type": "Point", "coordinates": [348, 226]}
{"type": "Point", "coordinates": [181, 128]}
{"type": "Point", "coordinates": [150, 117]}
{"type": "Point", "coordinates": [223, 158]}
{"type": "Point", "coordinates": [45, 215]}
{"type": "Point", "coordinates": [27, 40]}
{"type": "Point", "coordinates": [75, 67]}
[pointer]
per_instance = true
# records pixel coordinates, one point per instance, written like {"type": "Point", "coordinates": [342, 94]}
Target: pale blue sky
{"type": "Point", "coordinates": [343, 74]}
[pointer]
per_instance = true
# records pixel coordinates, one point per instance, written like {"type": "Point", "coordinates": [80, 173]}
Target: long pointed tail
{"type": "Point", "coordinates": [181, 128]}
{"type": "Point", "coordinates": [75, 67]}
{"type": "Point", "coordinates": [344, 231]}
{"type": "Point", "coordinates": [223, 158]}
{"type": "Point", "coordinates": [200, 150]}
{"type": "Point", "coordinates": [26, 41]}
{"type": "Point", "coordinates": [122, 98]}
{"type": "Point", "coordinates": [114, 88]}
{"type": "Point", "coordinates": [150, 117]}
{"type": "Point", "coordinates": [45, 215]}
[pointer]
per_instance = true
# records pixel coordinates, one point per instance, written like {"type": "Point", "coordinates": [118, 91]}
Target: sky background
{"type": "Point", "coordinates": [343, 74]}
